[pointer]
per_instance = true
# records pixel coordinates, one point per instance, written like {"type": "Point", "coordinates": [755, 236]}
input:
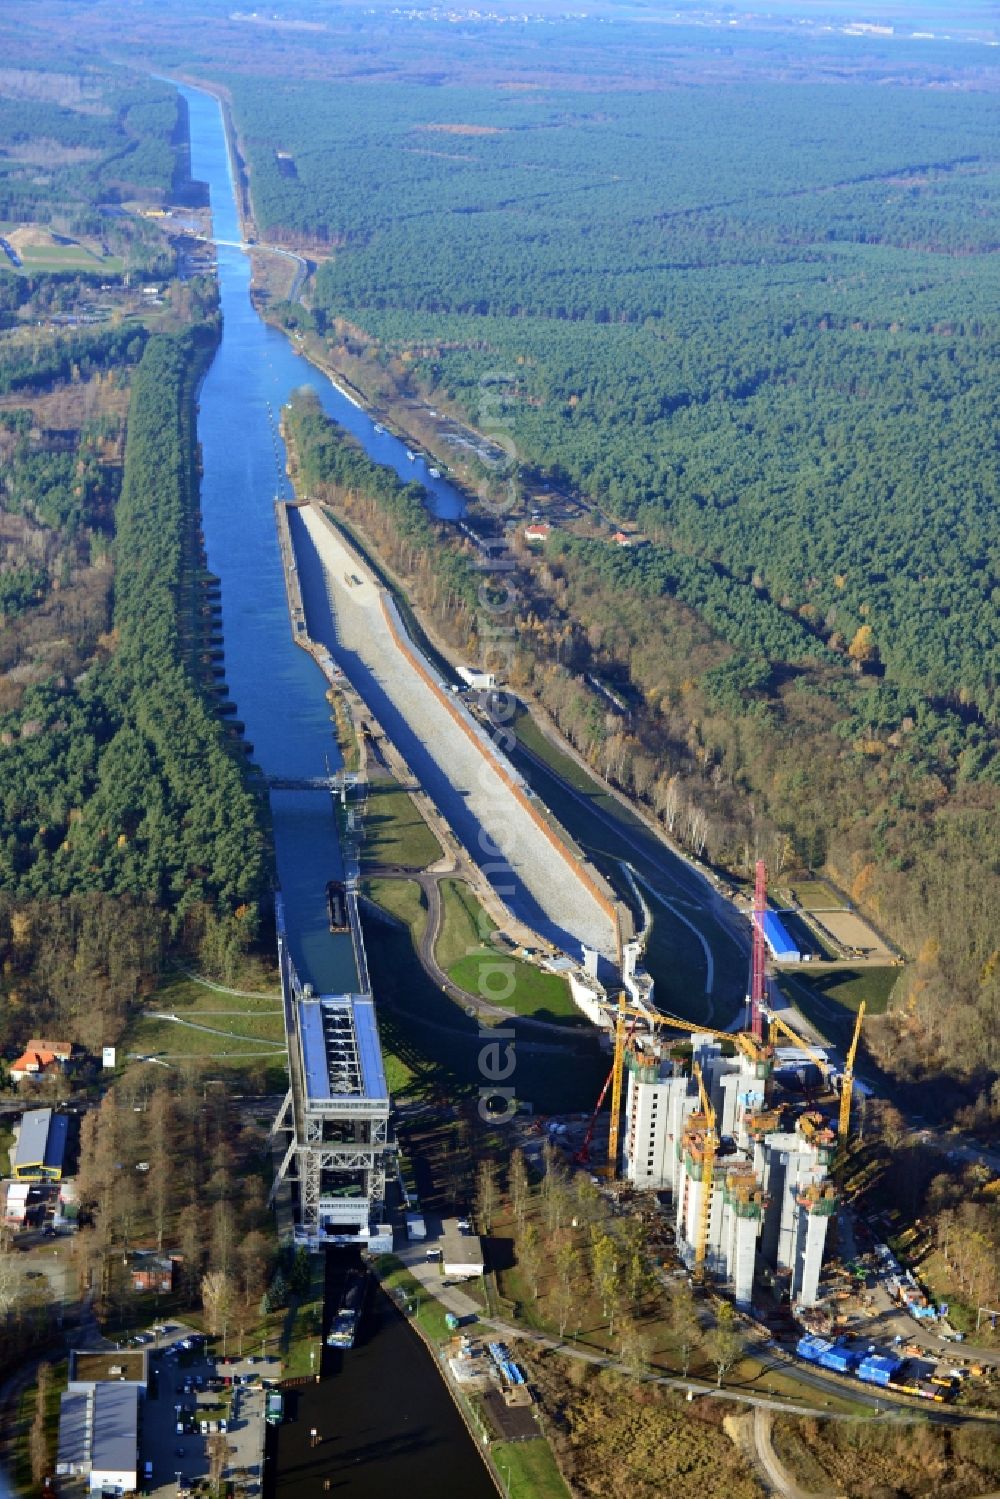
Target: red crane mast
{"type": "Point", "coordinates": [758, 956]}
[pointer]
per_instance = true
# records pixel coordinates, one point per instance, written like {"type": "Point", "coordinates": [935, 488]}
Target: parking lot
{"type": "Point", "coordinates": [193, 1403]}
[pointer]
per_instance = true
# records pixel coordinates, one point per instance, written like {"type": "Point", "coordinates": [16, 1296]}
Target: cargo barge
{"type": "Point", "coordinates": [344, 1328]}
{"type": "Point", "coordinates": [336, 905]}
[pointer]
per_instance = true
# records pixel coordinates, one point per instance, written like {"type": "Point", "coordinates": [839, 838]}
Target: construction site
{"type": "Point", "coordinates": [748, 1173]}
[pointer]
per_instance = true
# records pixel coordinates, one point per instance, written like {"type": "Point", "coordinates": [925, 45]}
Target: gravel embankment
{"type": "Point", "coordinates": [531, 876]}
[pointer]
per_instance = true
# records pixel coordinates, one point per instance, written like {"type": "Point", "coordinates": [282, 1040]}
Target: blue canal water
{"type": "Point", "coordinates": [388, 1423]}
{"type": "Point", "coordinates": [278, 690]}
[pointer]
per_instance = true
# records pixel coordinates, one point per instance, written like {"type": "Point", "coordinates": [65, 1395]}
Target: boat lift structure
{"type": "Point", "coordinates": [336, 1110]}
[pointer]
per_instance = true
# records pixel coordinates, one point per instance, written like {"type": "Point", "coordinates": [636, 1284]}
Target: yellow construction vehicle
{"type": "Point", "coordinates": [847, 1085]}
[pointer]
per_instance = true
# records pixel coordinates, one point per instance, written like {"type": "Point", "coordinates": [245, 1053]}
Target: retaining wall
{"type": "Point", "coordinates": [588, 878]}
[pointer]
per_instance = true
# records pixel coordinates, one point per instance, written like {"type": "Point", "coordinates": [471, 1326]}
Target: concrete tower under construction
{"type": "Point", "coordinates": [746, 1190]}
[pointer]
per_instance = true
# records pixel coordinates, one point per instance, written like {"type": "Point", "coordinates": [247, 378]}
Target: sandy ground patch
{"type": "Point", "coordinates": [851, 931]}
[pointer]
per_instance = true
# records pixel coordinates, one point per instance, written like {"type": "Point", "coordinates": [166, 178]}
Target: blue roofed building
{"type": "Point", "coordinates": [780, 944]}
{"type": "Point", "coordinates": [40, 1153]}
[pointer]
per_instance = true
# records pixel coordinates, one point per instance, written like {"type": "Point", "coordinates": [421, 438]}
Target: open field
{"type": "Point", "coordinates": [218, 1029]}
{"type": "Point", "coordinates": [403, 899]}
{"type": "Point", "coordinates": [471, 962]}
{"type": "Point", "coordinates": [395, 833]}
{"type": "Point", "coordinates": [529, 1469]}
{"type": "Point", "coordinates": [848, 987]}
{"type": "Point", "coordinates": [40, 249]}
{"type": "Point", "coordinates": [851, 932]}
{"type": "Point", "coordinates": [811, 895]}
{"type": "Point", "coordinates": [68, 258]}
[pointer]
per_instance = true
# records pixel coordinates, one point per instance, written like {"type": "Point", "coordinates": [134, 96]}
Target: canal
{"type": "Point", "coordinates": [278, 690]}
{"type": "Point", "coordinates": [387, 1421]}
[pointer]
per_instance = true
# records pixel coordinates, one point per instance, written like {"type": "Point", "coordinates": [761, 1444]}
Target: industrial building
{"type": "Point", "coordinates": [779, 943]}
{"type": "Point", "coordinates": [461, 1251]}
{"type": "Point", "coordinates": [751, 1192]}
{"type": "Point", "coordinates": [99, 1435]}
{"type": "Point", "coordinates": [337, 1107]}
{"type": "Point", "coordinates": [40, 1152]}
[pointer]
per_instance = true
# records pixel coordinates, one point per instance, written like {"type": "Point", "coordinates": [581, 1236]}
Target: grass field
{"type": "Point", "coordinates": [812, 895]}
{"type": "Point", "coordinates": [41, 250]}
{"type": "Point", "coordinates": [528, 1470]}
{"type": "Point", "coordinates": [831, 1000]}
{"type": "Point", "coordinates": [428, 1313]}
{"type": "Point", "coordinates": [435, 1048]}
{"type": "Point", "coordinates": [224, 1030]}
{"type": "Point", "coordinates": [395, 833]}
{"type": "Point", "coordinates": [302, 1326]}
{"type": "Point", "coordinates": [462, 953]}
{"type": "Point", "coordinates": [403, 899]}
{"type": "Point", "coordinates": [67, 258]}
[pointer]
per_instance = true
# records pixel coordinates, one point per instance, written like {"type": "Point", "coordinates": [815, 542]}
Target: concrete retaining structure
{"type": "Point", "coordinates": [583, 871]}
{"type": "Point", "coordinates": [482, 799]}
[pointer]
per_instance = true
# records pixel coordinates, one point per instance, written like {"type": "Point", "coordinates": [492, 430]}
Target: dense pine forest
{"type": "Point", "coordinates": [127, 831]}
{"type": "Point", "coordinates": [740, 290]}
{"type": "Point", "coordinates": [757, 326]}
{"type": "Point", "coordinates": [776, 361]}
{"type": "Point", "coordinates": [124, 809]}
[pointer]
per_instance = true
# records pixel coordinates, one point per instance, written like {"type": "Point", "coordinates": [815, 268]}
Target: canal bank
{"type": "Point", "coordinates": [385, 1423]}
{"type": "Point", "coordinates": [388, 1422]}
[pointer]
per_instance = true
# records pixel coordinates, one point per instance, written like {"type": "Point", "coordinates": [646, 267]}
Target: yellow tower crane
{"type": "Point", "coordinates": [847, 1085]}
{"type": "Point", "coordinates": [618, 1067]}
{"type": "Point", "coordinates": [655, 1020]}
{"type": "Point", "coordinates": [775, 1023]}
{"type": "Point", "coordinates": [710, 1148]}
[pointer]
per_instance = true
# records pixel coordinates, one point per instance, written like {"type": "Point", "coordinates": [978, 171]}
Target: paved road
{"type": "Point", "coordinates": [206, 983]}
{"type": "Point", "coordinates": [454, 1299]}
{"type": "Point", "coordinates": [430, 883]}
